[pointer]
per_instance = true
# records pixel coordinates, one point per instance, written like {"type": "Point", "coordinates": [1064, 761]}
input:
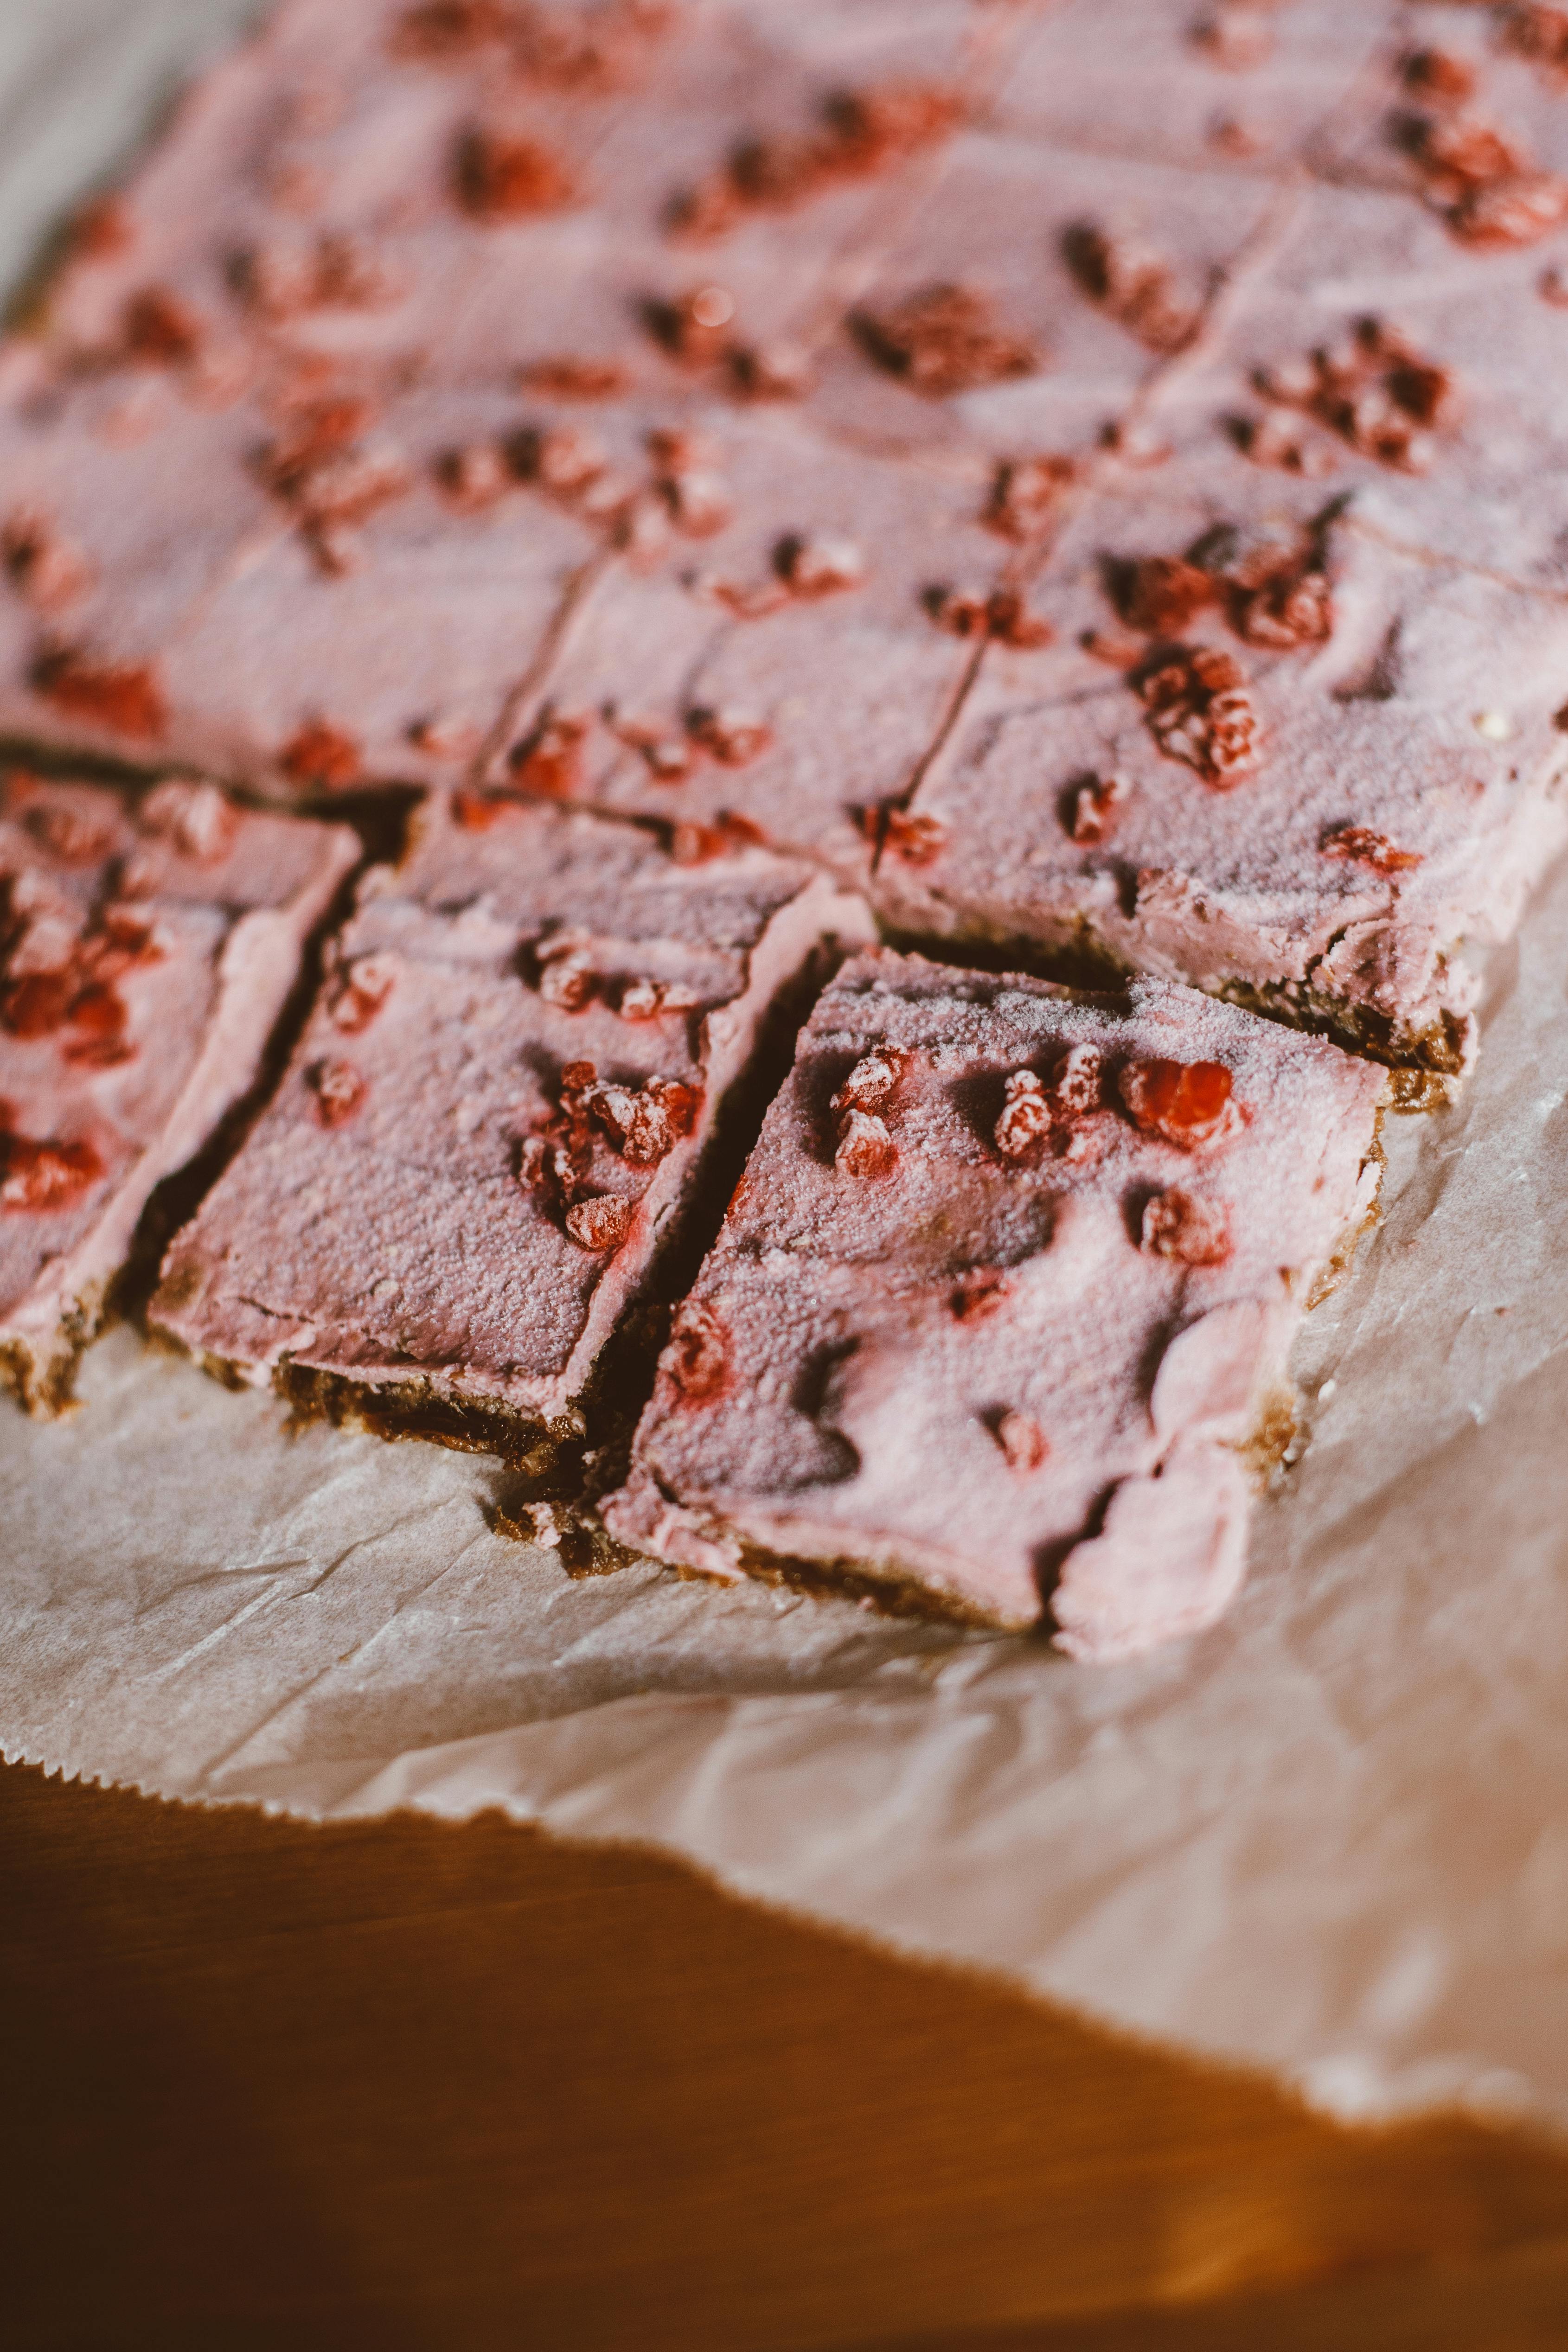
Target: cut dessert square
{"type": "Point", "coordinates": [148, 947]}
{"type": "Point", "coordinates": [291, 594]}
{"type": "Point", "coordinates": [1003, 1297]}
{"type": "Point", "coordinates": [493, 1121]}
{"type": "Point", "coordinates": [792, 665]}
{"type": "Point", "coordinates": [1267, 755]}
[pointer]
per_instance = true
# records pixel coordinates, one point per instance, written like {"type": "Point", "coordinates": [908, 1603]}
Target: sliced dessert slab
{"type": "Point", "coordinates": [1007, 1287]}
{"type": "Point", "coordinates": [1267, 755]}
{"type": "Point", "coordinates": [493, 1121]}
{"type": "Point", "coordinates": [149, 946]}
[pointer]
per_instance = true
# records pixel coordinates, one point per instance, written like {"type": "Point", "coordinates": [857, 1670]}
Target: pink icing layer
{"type": "Point", "coordinates": [807, 362]}
{"type": "Point", "coordinates": [928, 1349]}
{"type": "Point", "coordinates": [380, 1222]}
{"type": "Point", "coordinates": [148, 947]}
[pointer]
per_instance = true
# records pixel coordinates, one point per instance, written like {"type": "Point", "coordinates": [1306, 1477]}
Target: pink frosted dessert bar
{"type": "Point", "coordinates": [1006, 1289]}
{"type": "Point", "coordinates": [1268, 755]}
{"type": "Point", "coordinates": [493, 1121]}
{"type": "Point", "coordinates": [147, 948]}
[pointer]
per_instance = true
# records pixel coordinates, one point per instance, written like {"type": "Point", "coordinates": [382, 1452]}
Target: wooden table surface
{"type": "Point", "coordinates": [429, 2088]}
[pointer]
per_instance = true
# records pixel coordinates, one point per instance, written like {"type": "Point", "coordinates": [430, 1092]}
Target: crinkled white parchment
{"type": "Point", "coordinates": [1330, 1838]}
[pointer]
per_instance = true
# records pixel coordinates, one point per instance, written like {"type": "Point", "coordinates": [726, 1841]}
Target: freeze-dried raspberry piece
{"type": "Point", "coordinates": [102, 226]}
{"type": "Point", "coordinates": [339, 1090]}
{"type": "Point", "coordinates": [1275, 438]}
{"type": "Point", "coordinates": [98, 1020]}
{"type": "Point", "coordinates": [697, 1360]}
{"type": "Point", "coordinates": [550, 761]}
{"type": "Point", "coordinates": [1001, 615]}
{"type": "Point", "coordinates": [865, 1146]}
{"type": "Point", "coordinates": [649, 1000]}
{"type": "Point", "coordinates": [37, 1004]}
{"type": "Point", "coordinates": [878, 126]}
{"type": "Point", "coordinates": [1539, 33]}
{"type": "Point", "coordinates": [1134, 284]}
{"type": "Point", "coordinates": [1288, 610]}
{"type": "Point", "coordinates": [283, 280]}
{"type": "Point", "coordinates": [37, 1179]}
{"type": "Point", "coordinates": [66, 833]}
{"type": "Point", "coordinates": [977, 1294]}
{"type": "Point", "coordinates": [1374, 389]}
{"type": "Point", "coordinates": [45, 568]}
{"type": "Point", "coordinates": [1022, 1440]}
{"type": "Point", "coordinates": [1359, 845]}
{"type": "Point", "coordinates": [322, 758]}
{"type": "Point", "coordinates": [636, 1120]}
{"type": "Point", "coordinates": [1188, 1104]}
{"type": "Point", "coordinates": [917, 840]}
{"type": "Point", "coordinates": [771, 371]}
{"type": "Point", "coordinates": [694, 327]}
{"type": "Point", "coordinates": [1094, 807]}
{"type": "Point", "coordinates": [474, 477]}
{"type": "Point", "coordinates": [1234, 39]}
{"type": "Point", "coordinates": [679, 1102]}
{"type": "Point", "coordinates": [819, 566]}
{"type": "Point", "coordinates": [125, 696]}
{"type": "Point", "coordinates": [1025, 495]}
{"type": "Point", "coordinates": [498, 178]}
{"type": "Point", "coordinates": [945, 338]}
{"type": "Point", "coordinates": [1159, 594]}
{"type": "Point", "coordinates": [1076, 1089]}
{"type": "Point", "coordinates": [602, 1222]}
{"type": "Point", "coordinates": [561, 458]}
{"type": "Point", "coordinates": [699, 502]}
{"type": "Point", "coordinates": [567, 977]}
{"type": "Point", "coordinates": [1200, 712]}
{"type": "Point", "coordinates": [1024, 1124]}
{"type": "Point", "coordinates": [160, 330]}
{"type": "Point", "coordinates": [196, 819]}
{"type": "Point", "coordinates": [733, 737]}
{"type": "Point", "coordinates": [696, 844]}
{"type": "Point", "coordinates": [330, 479]}
{"type": "Point", "coordinates": [361, 993]}
{"type": "Point", "coordinates": [1191, 1231]}
{"type": "Point", "coordinates": [1438, 77]}
{"type": "Point", "coordinates": [1510, 212]}
{"type": "Point", "coordinates": [565, 376]}
{"type": "Point", "coordinates": [871, 1083]}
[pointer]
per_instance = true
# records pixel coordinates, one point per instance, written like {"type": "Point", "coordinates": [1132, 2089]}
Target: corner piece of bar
{"type": "Point", "coordinates": [1269, 756]}
{"type": "Point", "coordinates": [148, 946]}
{"type": "Point", "coordinates": [495, 1120]}
{"type": "Point", "coordinates": [1004, 1293]}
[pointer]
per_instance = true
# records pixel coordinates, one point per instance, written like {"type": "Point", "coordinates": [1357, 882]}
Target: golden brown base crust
{"type": "Point", "coordinates": [1424, 1062]}
{"type": "Point", "coordinates": [45, 1385]}
{"type": "Point", "coordinates": [546, 1452]}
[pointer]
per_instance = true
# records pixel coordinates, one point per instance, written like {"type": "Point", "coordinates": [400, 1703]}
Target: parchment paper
{"type": "Point", "coordinates": [1330, 1838]}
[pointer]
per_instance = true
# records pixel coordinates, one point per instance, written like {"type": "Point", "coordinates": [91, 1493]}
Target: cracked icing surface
{"type": "Point", "coordinates": [432, 389]}
{"type": "Point", "coordinates": [148, 950]}
{"type": "Point", "coordinates": [867, 1315]}
{"type": "Point", "coordinates": [400, 1212]}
